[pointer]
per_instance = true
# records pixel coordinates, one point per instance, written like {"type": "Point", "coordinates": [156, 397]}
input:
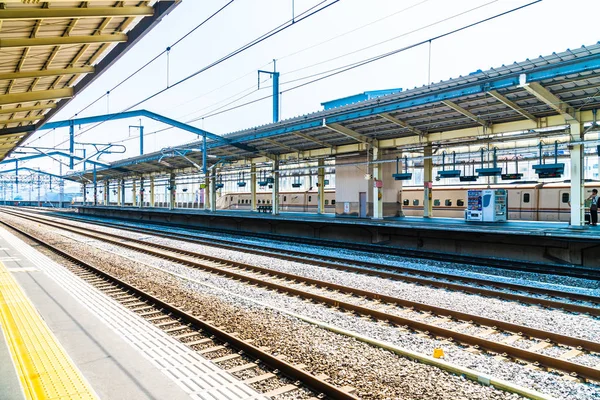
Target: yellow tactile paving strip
{"type": "Point", "coordinates": [44, 368]}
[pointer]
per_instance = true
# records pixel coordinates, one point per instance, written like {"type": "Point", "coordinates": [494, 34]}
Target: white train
{"type": "Point", "coordinates": [526, 201]}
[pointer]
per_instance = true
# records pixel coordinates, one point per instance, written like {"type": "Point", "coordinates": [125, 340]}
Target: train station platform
{"type": "Point", "coordinates": [543, 242]}
{"type": "Point", "coordinates": [60, 338]}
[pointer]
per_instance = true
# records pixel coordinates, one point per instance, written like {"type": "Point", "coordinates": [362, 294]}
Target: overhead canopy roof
{"type": "Point", "coordinates": [50, 51]}
{"type": "Point", "coordinates": [542, 92]}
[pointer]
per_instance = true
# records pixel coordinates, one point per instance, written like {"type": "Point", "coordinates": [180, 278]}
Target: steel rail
{"type": "Point", "coordinates": [311, 381]}
{"type": "Point", "coordinates": [501, 348]}
{"type": "Point", "coordinates": [350, 265]}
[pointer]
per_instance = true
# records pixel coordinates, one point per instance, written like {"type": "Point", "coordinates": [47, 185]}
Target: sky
{"type": "Point", "coordinates": [346, 32]}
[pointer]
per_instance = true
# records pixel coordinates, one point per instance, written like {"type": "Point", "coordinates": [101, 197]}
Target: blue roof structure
{"type": "Point", "coordinates": [358, 97]}
{"type": "Point", "coordinates": [573, 76]}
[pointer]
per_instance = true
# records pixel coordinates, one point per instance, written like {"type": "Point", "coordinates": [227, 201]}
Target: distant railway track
{"type": "Point", "coordinates": [204, 337]}
{"type": "Point", "coordinates": [448, 281]}
{"type": "Point", "coordinates": [403, 313]}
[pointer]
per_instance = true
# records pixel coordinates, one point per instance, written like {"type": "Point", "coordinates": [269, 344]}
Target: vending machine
{"type": "Point", "coordinates": [489, 205]}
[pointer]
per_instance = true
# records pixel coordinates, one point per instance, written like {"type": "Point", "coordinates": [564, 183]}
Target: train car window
{"type": "Point", "coordinates": [526, 197]}
{"type": "Point", "coordinates": [268, 201]}
{"type": "Point", "coordinates": [231, 198]}
{"type": "Point", "coordinates": [326, 202]}
{"type": "Point", "coordinates": [448, 203]}
{"type": "Point", "coordinates": [405, 202]}
{"type": "Point", "coordinates": [284, 198]}
{"type": "Point", "coordinates": [460, 203]}
{"type": "Point", "coordinates": [332, 202]}
{"type": "Point", "coordinates": [436, 202]}
{"type": "Point", "coordinates": [565, 197]}
{"type": "Point", "coordinates": [415, 202]}
{"type": "Point", "coordinates": [309, 199]}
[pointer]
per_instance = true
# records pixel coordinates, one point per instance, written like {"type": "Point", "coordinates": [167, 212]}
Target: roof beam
{"type": "Point", "coordinates": [465, 112]}
{"type": "Point", "coordinates": [512, 105]}
{"type": "Point", "coordinates": [347, 132]}
{"type": "Point", "coordinates": [47, 72]}
{"type": "Point", "coordinates": [16, 98]}
{"type": "Point", "coordinates": [281, 145]}
{"type": "Point", "coordinates": [61, 41]}
{"type": "Point", "coordinates": [65, 13]}
{"type": "Point", "coordinates": [550, 99]}
{"type": "Point", "coordinates": [312, 139]}
{"type": "Point", "coordinates": [24, 109]}
{"type": "Point", "coordinates": [403, 124]}
{"type": "Point", "coordinates": [20, 120]}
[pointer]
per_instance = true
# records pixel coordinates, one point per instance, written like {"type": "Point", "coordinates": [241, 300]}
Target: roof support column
{"type": "Point", "coordinates": [206, 192]}
{"type": "Point", "coordinates": [141, 191]}
{"type": "Point", "coordinates": [119, 189]}
{"type": "Point", "coordinates": [427, 181]}
{"type": "Point", "coordinates": [84, 188]}
{"type": "Point", "coordinates": [106, 192]}
{"type": "Point", "coordinates": [95, 187]}
{"type": "Point", "coordinates": [213, 190]}
{"type": "Point", "coordinates": [377, 181]}
{"type": "Point", "coordinates": [275, 198]}
{"type": "Point", "coordinates": [152, 197]}
{"type": "Point", "coordinates": [577, 178]}
{"type": "Point", "coordinates": [253, 187]}
{"type": "Point", "coordinates": [172, 191]}
{"type": "Point", "coordinates": [134, 193]}
{"type": "Point", "coordinates": [321, 186]}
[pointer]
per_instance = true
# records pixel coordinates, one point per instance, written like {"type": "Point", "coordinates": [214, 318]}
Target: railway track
{"type": "Point", "coordinates": [482, 287]}
{"type": "Point", "coordinates": [429, 320]}
{"type": "Point", "coordinates": [253, 365]}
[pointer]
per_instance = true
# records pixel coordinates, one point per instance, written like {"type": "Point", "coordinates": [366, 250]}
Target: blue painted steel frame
{"type": "Point", "coordinates": [16, 171]}
{"type": "Point", "coordinates": [52, 153]}
{"type": "Point", "coordinates": [575, 66]}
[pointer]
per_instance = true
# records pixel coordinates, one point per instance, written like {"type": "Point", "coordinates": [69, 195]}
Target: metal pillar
{"type": "Point", "coordinates": [206, 196]}
{"type": "Point", "coordinates": [119, 197]}
{"type": "Point", "coordinates": [275, 76]}
{"type": "Point", "coordinates": [321, 186]}
{"type": "Point", "coordinates": [123, 193]}
{"type": "Point", "coordinates": [71, 144]}
{"type": "Point", "coordinates": [275, 197]}
{"type": "Point", "coordinates": [134, 193]}
{"type": "Point", "coordinates": [141, 191]}
{"type": "Point", "coordinates": [172, 192]}
{"type": "Point", "coordinates": [213, 190]}
{"type": "Point", "coordinates": [61, 187]}
{"type": "Point", "coordinates": [253, 187]}
{"type": "Point", "coordinates": [95, 187]}
{"type": "Point", "coordinates": [107, 192]}
{"type": "Point", "coordinates": [577, 176]}
{"type": "Point", "coordinates": [152, 199]}
{"type": "Point", "coordinates": [428, 182]}
{"type": "Point", "coordinates": [84, 194]}
{"type": "Point", "coordinates": [377, 192]}
{"type": "Point", "coordinates": [17, 176]}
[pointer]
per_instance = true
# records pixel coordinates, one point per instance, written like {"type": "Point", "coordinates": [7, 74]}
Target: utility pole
{"type": "Point", "coordinates": [141, 129]}
{"type": "Point", "coordinates": [275, 75]}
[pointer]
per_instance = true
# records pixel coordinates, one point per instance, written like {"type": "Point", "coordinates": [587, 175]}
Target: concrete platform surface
{"type": "Point", "coordinates": [537, 228]}
{"type": "Point", "coordinates": [121, 355]}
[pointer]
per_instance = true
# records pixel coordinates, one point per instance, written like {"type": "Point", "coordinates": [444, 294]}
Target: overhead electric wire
{"type": "Point", "coordinates": [393, 38]}
{"type": "Point", "coordinates": [349, 67]}
{"type": "Point", "coordinates": [157, 56]}
{"type": "Point", "coordinates": [304, 15]}
{"type": "Point", "coordinates": [253, 71]}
